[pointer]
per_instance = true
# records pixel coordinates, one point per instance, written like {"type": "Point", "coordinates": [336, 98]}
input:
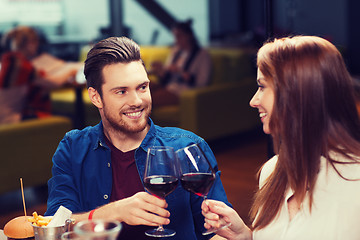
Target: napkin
{"type": "Point", "coordinates": [59, 218]}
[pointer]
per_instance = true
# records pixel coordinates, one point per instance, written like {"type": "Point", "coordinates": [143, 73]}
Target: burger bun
{"type": "Point", "coordinates": [19, 228]}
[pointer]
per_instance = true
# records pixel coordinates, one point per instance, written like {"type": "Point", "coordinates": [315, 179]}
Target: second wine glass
{"type": "Point", "coordinates": [196, 173]}
{"type": "Point", "coordinates": [160, 179]}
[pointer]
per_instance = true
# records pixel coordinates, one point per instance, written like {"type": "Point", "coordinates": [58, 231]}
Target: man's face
{"type": "Point", "coordinates": [126, 99]}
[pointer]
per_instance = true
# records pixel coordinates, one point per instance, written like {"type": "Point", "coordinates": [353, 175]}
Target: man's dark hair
{"type": "Point", "coordinates": [106, 52]}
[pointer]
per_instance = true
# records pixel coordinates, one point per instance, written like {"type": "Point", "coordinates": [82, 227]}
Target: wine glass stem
{"type": "Point", "coordinates": [160, 228]}
{"type": "Point", "coordinates": [205, 198]}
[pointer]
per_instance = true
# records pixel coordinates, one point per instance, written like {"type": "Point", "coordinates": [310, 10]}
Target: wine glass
{"type": "Point", "coordinates": [98, 229]}
{"type": "Point", "coordinates": [160, 179]}
{"type": "Point", "coordinates": [196, 174]}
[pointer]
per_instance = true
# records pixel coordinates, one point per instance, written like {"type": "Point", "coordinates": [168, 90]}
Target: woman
{"type": "Point", "coordinates": [311, 188]}
{"type": "Point", "coordinates": [187, 66]}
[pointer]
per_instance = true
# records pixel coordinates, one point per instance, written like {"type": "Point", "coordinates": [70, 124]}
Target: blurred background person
{"type": "Point", "coordinates": [27, 76]}
{"type": "Point", "coordinates": [188, 66]}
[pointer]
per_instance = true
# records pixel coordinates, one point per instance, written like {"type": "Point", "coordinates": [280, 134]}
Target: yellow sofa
{"type": "Point", "coordinates": [215, 111]}
{"type": "Point", "coordinates": [26, 151]}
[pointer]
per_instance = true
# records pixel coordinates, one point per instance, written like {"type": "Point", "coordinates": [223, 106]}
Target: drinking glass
{"type": "Point", "coordinates": [98, 229]}
{"type": "Point", "coordinates": [196, 174]}
{"type": "Point", "coordinates": [71, 236]}
{"type": "Point", "coordinates": [160, 179]}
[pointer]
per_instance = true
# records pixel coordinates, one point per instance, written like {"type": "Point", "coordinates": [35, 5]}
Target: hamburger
{"type": "Point", "coordinates": [19, 228]}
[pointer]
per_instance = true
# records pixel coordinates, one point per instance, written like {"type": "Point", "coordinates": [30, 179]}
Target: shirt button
{"type": "Point", "coordinates": [106, 196]}
{"type": "Point", "coordinates": [108, 164]}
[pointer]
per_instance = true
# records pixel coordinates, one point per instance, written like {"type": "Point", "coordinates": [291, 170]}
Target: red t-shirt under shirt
{"type": "Point", "coordinates": [125, 183]}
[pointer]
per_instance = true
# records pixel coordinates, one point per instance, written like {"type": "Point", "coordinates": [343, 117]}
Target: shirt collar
{"type": "Point", "coordinates": [99, 128]}
{"type": "Point", "coordinates": [148, 141]}
{"type": "Point", "coordinates": [150, 137]}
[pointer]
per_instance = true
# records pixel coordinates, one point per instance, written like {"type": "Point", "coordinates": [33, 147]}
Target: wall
{"type": "Point", "coordinates": [143, 25]}
{"type": "Point", "coordinates": [314, 17]}
{"type": "Point", "coordinates": [83, 18]}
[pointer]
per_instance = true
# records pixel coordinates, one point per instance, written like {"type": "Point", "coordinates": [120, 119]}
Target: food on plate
{"type": "Point", "coordinates": [19, 228]}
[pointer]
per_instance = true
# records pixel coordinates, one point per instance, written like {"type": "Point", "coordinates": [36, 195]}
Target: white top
{"type": "Point", "coordinates": [335, 212]}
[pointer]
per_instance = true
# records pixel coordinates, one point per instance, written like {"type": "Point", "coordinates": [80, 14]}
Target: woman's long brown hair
{"type": "Point", "coordinates": [314, 113]}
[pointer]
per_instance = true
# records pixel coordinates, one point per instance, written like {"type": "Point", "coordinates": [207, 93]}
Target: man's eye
{"type": "Point", "coordinates": [121, 92]}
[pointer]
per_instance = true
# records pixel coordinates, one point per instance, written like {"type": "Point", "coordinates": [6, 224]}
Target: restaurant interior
{"type": "Point", "coordinates": [231, 30]}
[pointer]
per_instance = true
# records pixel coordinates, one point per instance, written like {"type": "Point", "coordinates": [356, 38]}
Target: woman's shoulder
{"type": "Point", "coordinates": [267, 169]}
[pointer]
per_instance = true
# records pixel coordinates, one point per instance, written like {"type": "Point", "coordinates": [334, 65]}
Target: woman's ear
{"type": "Point", "coordinates": [95, 97]}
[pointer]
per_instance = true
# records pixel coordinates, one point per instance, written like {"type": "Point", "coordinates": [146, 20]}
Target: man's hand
{"type": "Point", "coordinates": [142, 209]}
{"type": "Point", "coordinates": [139, 209]}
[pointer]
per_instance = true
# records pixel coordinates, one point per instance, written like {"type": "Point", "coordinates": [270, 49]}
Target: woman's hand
{"type": "Point", "coordinates": [216, 212]}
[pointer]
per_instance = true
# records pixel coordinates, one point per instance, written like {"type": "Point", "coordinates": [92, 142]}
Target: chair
{"type": "Point", "coordinates": [26, 151]}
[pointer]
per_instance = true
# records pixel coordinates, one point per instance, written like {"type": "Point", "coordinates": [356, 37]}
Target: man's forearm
{"type": "Point", "coordinates": [78, 217]}
{"type": "Point", "coordinates": [103, 212]}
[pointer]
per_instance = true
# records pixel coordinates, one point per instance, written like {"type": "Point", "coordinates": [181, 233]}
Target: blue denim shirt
{"type": "Point", "coordinates": [82, 176]}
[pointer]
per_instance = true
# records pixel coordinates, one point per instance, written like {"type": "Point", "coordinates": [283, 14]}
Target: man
{"type": "Point", "coordinates": [98, 171]}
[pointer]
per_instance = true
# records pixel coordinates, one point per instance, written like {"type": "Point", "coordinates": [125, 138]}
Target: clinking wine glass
{"type": "Point", "coordinates": [160, 179]}
{"type": "Point", "coordinates": [197, 174]}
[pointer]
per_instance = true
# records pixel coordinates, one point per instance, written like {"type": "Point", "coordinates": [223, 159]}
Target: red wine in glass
{"type": "Point", "coordinates": [160, 185]}
{"type": "Point", "coordinates": [198, 183]}
{"type": "Point", "coordinates": [197, 174]}
{"type": "Point", "coordinates": [160, 179]}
